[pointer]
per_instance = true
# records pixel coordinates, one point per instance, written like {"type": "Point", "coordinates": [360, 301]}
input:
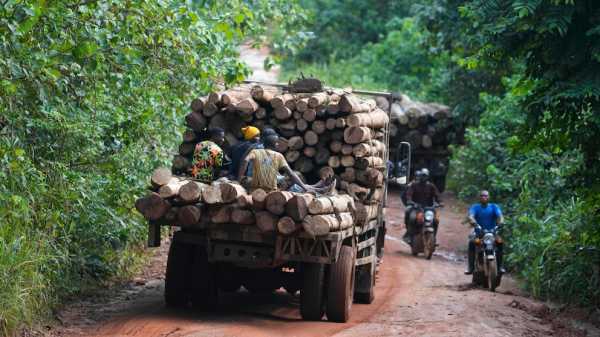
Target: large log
{"type": "Point", "coordinates": [347, 161]}
{"type": "Point", "coordinates": [297, 115]}
{"type": "Point", "coordinates": [334, 161]}
{"type": "Point", "coordinates": [301, 125]}
{"type": "Point", "coordinates": [374, 119]}
{"type": "Point", "coordinates": [364, 213]}
{"type": "Point", "coordinates": [292, 156]}
{"type": "Point", "coordinates": [247, 106]}
{"type": "Point", "coordinates": [347, 149]}
{"type": "Point", "coordinates": [398, 114]}
{"type": "Point", "coordinates": [161, 176]}
{"type": "Point", "coordinates": [221, 214]}
{"type": "Point", "coordinates": [330, 204]}
{"type": "Point", "coordinates": [244, 201]}
{"type": "Point", "coordinates": [258, 199]}
{"type": "Point", "coordinates": [335, 146]}
{"type": "Point", "coordinates": [317, 225]}
{"type": "Point", "coordinates": [282, 113]}
{"type": "Point", "coordinates": [189, 215]}
{"type": "Point", "coordinates": [242, 216]}
{"type": "Point", "coordinates": [340, 122]}
{"type": "Point", "coordinates": [310, 151]}
{"type": "Point", "coordinates": [152, 206]}
{"type": "Point", "coordinates": [309, 115]}
{"type": "Point", "coordinates": [261, 113]}
{"type": "Point", "coordinates": [234, 96]}
{"type": "Point", "coordinates": [197, 104]}
{"type": "Point", "coordinates": [352, 104]}
{"type": "Point", "coordinates": [210, 109]}
{"type": "Point", "coordinates": [297, 206]}
{"type": "Point", "coordinates": [266, 221]}
{"type": "Point", "coordinates": [365, 162]}
{"type": "Point", "coordinates": [286, 225]}
{"type": "Point", "coordinates": [230, 192]}
{"type": "Point", "coordinates": [374, 147]}
{"type": "Point", "coordinates": [296, 143]}
{"type": "Point", "coordinates": [302, 104]}
{"type": "Point", "coordinates": [370, 177]}
{"type": "Point", "coordinates": [318, 126]}
{"type": "Point", "coordinates": [211, 194]}
{"type": "Point", "coordinates": [214, 98]}
{"type": "Point", "coordinates": [263, 93]}
{"type": "Point", "coordinates": [196, 121]}
{"type": "Point", "coordinates": [280, 101]}
{"type": "Point", "coordinates": [318, 99]}
{"type": "Point", "coordinates": [171, 189]}
{"type": "Point", "coordinates": [311, 137]}
{"type": "Point", "coordinates": [357, 134]}
{"type": "Point", "coordinates": [330, 123]}
{"type": "Point", "coordinates": [382, 103]}
{"type": "Point", "coordinates": [276, 201]}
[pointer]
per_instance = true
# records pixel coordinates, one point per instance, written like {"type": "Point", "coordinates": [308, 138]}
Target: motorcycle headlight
{"type": "Point", "coordinates": [488, 238]}
{"type": "Point", "coordinates": [429, 216]}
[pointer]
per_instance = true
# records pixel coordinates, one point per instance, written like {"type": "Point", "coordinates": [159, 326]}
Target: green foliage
{"type": "Point", "coordinates": [92, 98]}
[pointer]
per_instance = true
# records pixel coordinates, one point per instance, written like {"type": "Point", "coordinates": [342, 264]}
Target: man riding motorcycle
{"type": "Point", "coordinates": [423, 193]}
{"type": "Point", "coordinates": [484, 216]}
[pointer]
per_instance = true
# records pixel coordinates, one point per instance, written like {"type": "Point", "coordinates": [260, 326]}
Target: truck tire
{"type": "Point", "coordinates": [365, 284]}
{"type": "Point", "coordinates": [204, 295]}
{"type": "Point", "coordinates": [177, 274]}
{"type": "Point", "coordinates": [340, 292]}
{"type": "Point", "coordinates": [312, 304]}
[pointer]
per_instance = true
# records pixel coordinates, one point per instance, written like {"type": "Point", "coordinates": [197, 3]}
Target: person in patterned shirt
{"type": "Point", "coordinates": [208, 156]}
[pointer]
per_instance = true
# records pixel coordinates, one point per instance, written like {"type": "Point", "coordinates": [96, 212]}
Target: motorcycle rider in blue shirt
{"type": "Point", "coordinates": [484, 215]}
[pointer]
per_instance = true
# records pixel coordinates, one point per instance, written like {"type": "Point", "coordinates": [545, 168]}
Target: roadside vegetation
{"type": "Point", "coordinates": [523, 78]}
{"type": "Point", "coordinates": [90, 96]}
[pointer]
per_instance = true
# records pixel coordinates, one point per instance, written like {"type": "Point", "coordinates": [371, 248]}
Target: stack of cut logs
{"type": "Point", "coordinates": [427, 127]}
{"type": "Point", "coordinates": [322, 134]}
{"type": "Point", "coordinates": [184, 202]}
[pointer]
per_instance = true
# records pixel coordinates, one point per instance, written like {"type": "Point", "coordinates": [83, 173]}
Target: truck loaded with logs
{"type": "Point", "coordinates": [326, 246]}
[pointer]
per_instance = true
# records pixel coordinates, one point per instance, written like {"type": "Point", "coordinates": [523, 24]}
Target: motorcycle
{"type": "Point", "coordinates": [424, 241]}
{"type": "Point", "coordinates": [486, 272]}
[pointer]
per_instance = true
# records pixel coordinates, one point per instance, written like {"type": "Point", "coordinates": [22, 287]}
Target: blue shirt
{"type": "Point", "coordinates": [486, 216]}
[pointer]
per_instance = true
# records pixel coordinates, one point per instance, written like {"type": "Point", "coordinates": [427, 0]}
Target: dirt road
{"type": "Point", "coordinates": [414, 297]}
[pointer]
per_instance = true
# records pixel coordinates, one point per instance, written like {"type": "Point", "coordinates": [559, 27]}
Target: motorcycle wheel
{"type": "Point", "coordinates": [492, 277]}
{"type": "Point", "coordinates": [428, 245]}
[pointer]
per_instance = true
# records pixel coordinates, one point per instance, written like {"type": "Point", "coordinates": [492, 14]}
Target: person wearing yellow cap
{"type": "Point", "coordinates": [240, 150]}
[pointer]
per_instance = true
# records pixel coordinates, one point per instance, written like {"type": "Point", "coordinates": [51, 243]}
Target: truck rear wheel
{"type": "Point", "coordinates": [312, 306]}
{"type": "Point", "coordinates": [177, 274]}
{"type": "Point", "coordinates": [340, 291]}
{"type": "Point", "coordinates": [204, 295]}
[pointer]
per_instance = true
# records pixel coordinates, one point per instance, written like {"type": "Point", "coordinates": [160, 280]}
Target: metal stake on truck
{"type": "Point", "coordinates": [331, 271]}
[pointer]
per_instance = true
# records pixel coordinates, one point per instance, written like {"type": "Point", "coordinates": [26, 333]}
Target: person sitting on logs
{"type": "Point", "coordinates": [266, 166]}
{"type": "Point", "coordinates": [208, 157]}
{"type": "Point", "coordinates": [240, 150]}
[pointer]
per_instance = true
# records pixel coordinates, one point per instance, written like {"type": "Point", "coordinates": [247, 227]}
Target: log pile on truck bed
{"type": "Point", "coordinates": [428, 127]}
{"type": "Point", "coordinates": [322, 134]}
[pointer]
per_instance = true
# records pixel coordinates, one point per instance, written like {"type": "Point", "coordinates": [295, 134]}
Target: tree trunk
{"type": "Point", "coordinates": [382, 103]}
{"type": "Point", "coordinates": [318, 127]}
{"type": "Point", "coordinates": [242, 216]}
{"type": "Point", "coordinates": [296, 143]}
{"type": "Point", "coordinates": [286, 226]}
{"type": "Point", "coordinates": [370, 177]}
{"type": "Point", "coordinates": [347, 161]}
{"type": "Point", "coordinates": [374, 147]}
{"type": "Point", "coordinates": [365, 213]}
{"type": "Point", "coordinates": [318, 99]}
{"type": "Point", "coordinates": [196, 121]}
{"type": "Point", "coordinates": [234, 96]}
{"type": "Point", "coordinates": [374, 119]}
{"type": "Point", "coordinates": [357, 134]}
{"type": "Point", "coordinates": [335, 146]}
{"type": "Point", "coordinates": [292, 156]}
{"type": "Point", "coordinates": [276, 201]}
{"type": "Point", "coordinates": [152, 206]}
{"type": "Point", "coordinates": [363, 163]}
{"type": "Point", "coordinates": [221, 214]}
{"type": "Point", "coordinates": [214, 98]}
{"type": "Point", "coordinates": [189, 215]}
{"type": "Point", "coordinates": [329, 204]}
{"type": "Point", "coordinates": [161, 176]}
{"type": "Point", "coordinates": [310, 151]}
{"type": "Point", "coordinates": [266, 222]}
{"type": "Point", "coordinates": [317, 225]}
{"type": "Point", "coordinates": [310, 137]}
{"type": "Point", "coordinates": [258, 199]}
{"type": "Point", "coordinates": [282, 113]}
{"type": "Point", "coordinates": [244, 201]}
{"type": "Point", "coordinates": [280, 101]}
{"type": "Point", "coordinates": [297, 206]}
{"type": "Point", "coordinates": [247, 106]}
{"type": "Point", "coordinates": [330, 123]}
{"type": "Point", "coordinates": [302, 104]}
{"type": "Point", "coordinates": [347, 149]}
{"type": "Point", "coordinates": [171, 189]}
{"type": "Point", "coordinates": [211, 194]}
{"type": "Point", "coordinates": [398, 114]}
{"type": "Point", "coordinates": [340, 122]}
{"type": "Point", "coordinates": [262, 93]}
{"type": "Point", "coordinates": [352, 104]}
{"type": "Point", "coordinates": [230, 192]}
{"type": "Point", "coordinates": [309, 115]}
{"type": "Point", "coordinates": [191, 191]}
{"type": "Point", "coordinates": [334, 161]}
{"type": "Point", "coordinates": [301, 125]}
{"type": "Point", "coordinates": [210, 109]}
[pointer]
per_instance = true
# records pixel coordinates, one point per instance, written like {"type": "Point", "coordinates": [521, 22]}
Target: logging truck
{"type": "Point", "coordinates": [330, 269]}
